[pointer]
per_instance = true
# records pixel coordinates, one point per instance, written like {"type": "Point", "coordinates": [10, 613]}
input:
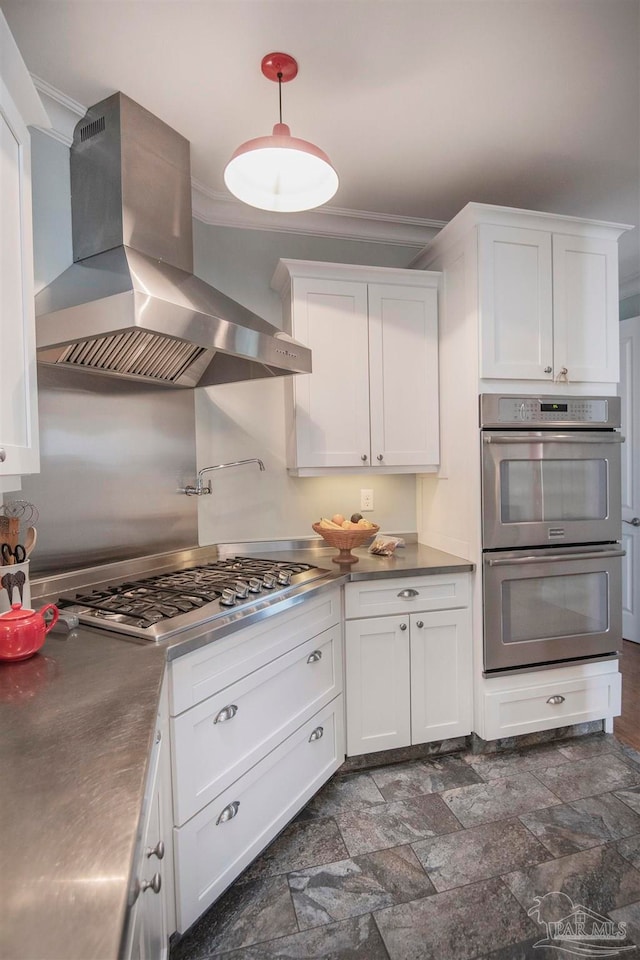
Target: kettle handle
{"type": "Point", "coordinates": [54, 620]}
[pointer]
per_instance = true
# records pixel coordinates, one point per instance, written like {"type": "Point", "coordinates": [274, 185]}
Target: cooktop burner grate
{"type": "Point", "coordinates": [196, 595]}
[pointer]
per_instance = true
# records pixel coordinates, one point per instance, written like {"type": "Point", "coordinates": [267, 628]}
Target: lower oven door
{"type": "Point", "coordinates": [548, 606]}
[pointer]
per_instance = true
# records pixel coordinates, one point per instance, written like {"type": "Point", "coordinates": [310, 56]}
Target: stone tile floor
{"type": "Point", "coordinates": [443, 859]}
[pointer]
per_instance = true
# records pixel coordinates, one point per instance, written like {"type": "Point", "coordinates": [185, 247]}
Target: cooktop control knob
{"type": "Point", "coordinates": [284, 577]}
{"type": "Point", "coordinates": [269, 581]}
{"type": "Point", "coordinates": [255, 585]}
{"type": "Point", "coordinates": [242, 589]}
{"type": "Point", "coordinates": [228, 597]}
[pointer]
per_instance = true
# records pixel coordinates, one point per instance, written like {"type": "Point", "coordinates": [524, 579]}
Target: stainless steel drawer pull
{"type": "Point", "coordinates": [403, 626]}
{"type": "Point", "coordinates": [316, 734]}
{"type": "Point", "coordinates": [154, 884]}
{"type": "Point", "coordinates": [408, 594]}
{"type": "Point", "coordinates": [315, 656]}
{"type": "Point", "coordinates": [556, 700]}
{"type": "Point", "coordinates": [420, 623]}
{"type": "Point", "coordinates": [157, 851]}
{"type": "Point", "coordinates": [229, 812]}
{"type": "Point", "coordinates": [227, 713]}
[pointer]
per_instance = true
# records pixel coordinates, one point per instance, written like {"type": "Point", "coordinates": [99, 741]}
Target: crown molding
{"type": "Point", "coordinates": [630, 286]}
{"type": "Point", "coordinates": [63, 112]}
{"type": "Point", "coordinates": [220, 209]}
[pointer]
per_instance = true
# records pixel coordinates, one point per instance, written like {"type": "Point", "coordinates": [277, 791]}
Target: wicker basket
{"type": "Point", "coordinates": [346, 540]}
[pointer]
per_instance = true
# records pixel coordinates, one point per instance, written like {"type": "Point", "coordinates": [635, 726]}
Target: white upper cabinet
{"type": "Point", "coordinates": [515, 291]}
{"type": "Point", "coordinates": [19, 106]}
{"type": "Point", "coordinates": [546, 292]}
{"type": "Point", "coordinates": [371, 402]}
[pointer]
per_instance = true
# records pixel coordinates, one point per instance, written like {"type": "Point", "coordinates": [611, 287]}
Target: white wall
{"type": "Point", "coordinates": [237, 421]}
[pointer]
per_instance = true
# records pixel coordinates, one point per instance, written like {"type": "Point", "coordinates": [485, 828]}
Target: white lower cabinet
{"type": "Point", "coordinates": [220, 841]}
{"type": "Point", "coordinates": [551, 698]}
{"type": "Point", "coordinates": [257, 727]}
{"type": "Point", "coordinates": [152, 914]}
{"type": "Point", "coordinates": [408, 675]}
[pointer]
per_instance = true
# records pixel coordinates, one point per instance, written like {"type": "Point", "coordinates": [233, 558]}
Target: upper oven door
{"type": "Point", "coordinates": [541, 488]}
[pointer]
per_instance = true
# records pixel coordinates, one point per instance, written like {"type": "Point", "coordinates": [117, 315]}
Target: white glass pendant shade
{"type": "Point", "coordinates": [281, 173]}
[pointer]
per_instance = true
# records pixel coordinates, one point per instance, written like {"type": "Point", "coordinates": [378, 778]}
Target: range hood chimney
{"type": "Point", "coordinates": [130, 305]}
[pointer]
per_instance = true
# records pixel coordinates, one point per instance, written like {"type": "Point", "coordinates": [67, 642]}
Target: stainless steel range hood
{"type": "Point", "coordinates": [130, 305]}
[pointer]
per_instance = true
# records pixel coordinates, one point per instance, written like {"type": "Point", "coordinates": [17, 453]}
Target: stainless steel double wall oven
{"type": "Point", "coordinates": [551, 525]}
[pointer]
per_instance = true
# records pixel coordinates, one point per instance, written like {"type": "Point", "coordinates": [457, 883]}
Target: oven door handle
{"type": "Point", "coordinates": [553, 438]}
{"type": "Point", "coordinates": [556, 558]}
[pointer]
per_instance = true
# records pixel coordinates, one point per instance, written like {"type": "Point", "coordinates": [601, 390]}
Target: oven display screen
{"type": "Point", "coordinates": [553, 407]}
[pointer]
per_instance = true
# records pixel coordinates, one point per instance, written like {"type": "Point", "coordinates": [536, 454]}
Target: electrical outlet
{"type": "Point", "coordinates": [366, 499]}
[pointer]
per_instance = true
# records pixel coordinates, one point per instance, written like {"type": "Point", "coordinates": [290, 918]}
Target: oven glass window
{"type": "Point", "coordinates": [554, 606]}
{"type": "Point", "coordinates": [548, 491]}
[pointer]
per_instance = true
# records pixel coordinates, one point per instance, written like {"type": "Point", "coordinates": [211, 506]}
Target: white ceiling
{"type": "Point", "coordinates": [422, 105]}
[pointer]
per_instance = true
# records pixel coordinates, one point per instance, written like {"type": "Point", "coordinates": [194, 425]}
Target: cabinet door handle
{"type": "Point", "coordinates": [227, 713]}
{"type": "Point", "coordinates": [408, 594]}
{"type": "Point", "coordinates": [420, 623]}
{"type": "Point", "coordinates": [379, 458]}
{"type": "Point", "coordinates": [315, 656]}
{"type": "Point", "coordinates": [154, 884]}
{"type": "Point", "coordinates": [229, 812]}
{"type": "Point", "coordinates": [556, 700]}
{"type": "Point", "coordinates": [548, 369]}
{"type": "Point", "coordinates": [316, 734]}
{"type": "Point", "coordinates": [403, 626]}
{"type": "Point", "coordinates": [364, 458]}
{"type": "Point", "coordinates": [157, 851]}
{"type": "Point", "coordinates": [635, 521]}
{"type": "Point", "coordinates": [3, 454]}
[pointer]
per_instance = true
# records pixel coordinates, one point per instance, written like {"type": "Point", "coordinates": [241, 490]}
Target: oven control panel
{"type": "Point", "coordinates": [497, 410]}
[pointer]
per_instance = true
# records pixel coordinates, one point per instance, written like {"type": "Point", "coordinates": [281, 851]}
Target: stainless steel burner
{"type": "Point", "coordinates": [157, 607]}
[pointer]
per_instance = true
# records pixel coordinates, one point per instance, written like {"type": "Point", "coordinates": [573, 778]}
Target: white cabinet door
{"type": "Point", "coordinates": [18, 397]}
{"type": "Point", "coordinates": [377, 684]}
{"type": "Point", "coordinates": [441, 675]}
{"type": "Point", "coordinates": [515, 303]}
{"type": "Point", "coordinates": [332, 403]}
{"type": "Point", "coordinates": [403, 365]}
{"type": "Point", "coordinates": [148, 933]}
{"type": "Point", "coordinates": [585, 309]}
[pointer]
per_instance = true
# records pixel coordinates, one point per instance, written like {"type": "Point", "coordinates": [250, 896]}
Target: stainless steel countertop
{"type": "Point", "coordinates": [77, 723]}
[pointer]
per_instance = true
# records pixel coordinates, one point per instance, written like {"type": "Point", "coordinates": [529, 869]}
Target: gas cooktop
{"type": "Point", "coordinates": [159, 606]}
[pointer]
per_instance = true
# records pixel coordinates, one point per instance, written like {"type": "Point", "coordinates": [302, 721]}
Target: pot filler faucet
{"type": "Point", "coordinates": [202, 488]}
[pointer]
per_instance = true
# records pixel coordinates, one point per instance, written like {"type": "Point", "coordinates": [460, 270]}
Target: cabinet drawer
{"type": "Point", "coordinates": [211, 750]}
{"type": "Point", "coordinates": [204, 672]}
{"type": "Point", "coordinates": [375, 598]}
{"type": "Point", "coordinates": [512, 712]}
{"type": "Point", "coordinates": [210, 853]}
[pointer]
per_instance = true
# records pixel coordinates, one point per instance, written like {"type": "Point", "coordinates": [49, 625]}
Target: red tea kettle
{"type": "Point", "coordinates": [23, 632]}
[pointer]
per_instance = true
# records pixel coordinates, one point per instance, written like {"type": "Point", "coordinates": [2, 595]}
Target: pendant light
{"type": "Point", "coordinates": [280, 172]}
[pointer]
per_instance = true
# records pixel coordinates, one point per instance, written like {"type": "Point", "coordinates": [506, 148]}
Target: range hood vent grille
{"type": "Point", "coordinates": [136, 353]}
{"type": "Point", "coordinates": [91, 129]}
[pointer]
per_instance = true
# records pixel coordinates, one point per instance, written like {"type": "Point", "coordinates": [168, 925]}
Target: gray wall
{"type": "Point", "coordinates": [630, 307]}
